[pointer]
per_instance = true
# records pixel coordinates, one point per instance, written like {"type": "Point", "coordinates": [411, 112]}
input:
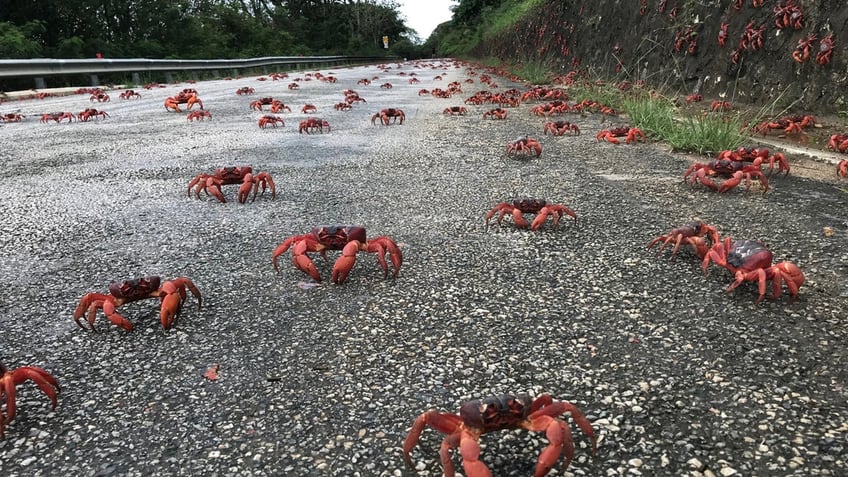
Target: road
{"type": "Point", "coordinates": [676, 376]}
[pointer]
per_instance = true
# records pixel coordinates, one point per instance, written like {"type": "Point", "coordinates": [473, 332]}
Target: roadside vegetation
{"type": "Point", "coordinates": [202, 29]}
{"type": "Point", "coordinates": [477, 22]}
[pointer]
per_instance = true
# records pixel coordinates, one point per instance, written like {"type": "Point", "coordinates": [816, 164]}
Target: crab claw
{"type": "Point", "coordinates": [214, 188]}
{"type": "Point", "coordinates": [381, 246]}
{"type": "Point", "coordinates": [173, 294]}
{"type": "Point", "coordinates": [112, 314]}
{"type": "Point", "coordinates": [345, 263]}
{"type": "Point", "coordinates": [264, 179]}
{"type": "Point", "coordinates": [302, 261]}
{"type": "Point", "coordinates": [89, 302]}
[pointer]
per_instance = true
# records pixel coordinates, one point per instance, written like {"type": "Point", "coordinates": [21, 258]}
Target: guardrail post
{"type": "Point", "coordinates": [215, 74]}
{"type": "Point", "coordinates": [136, 79]}
{"type": "Point", "coordinates": [40, 83]}
{"type": "Point", "coordinates": [95, 81]}
{"type": "Point", "coordinates": [169, 78]}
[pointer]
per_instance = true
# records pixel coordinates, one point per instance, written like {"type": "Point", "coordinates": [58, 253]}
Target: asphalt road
{"type": "Point", "coordinates": [676, 376]}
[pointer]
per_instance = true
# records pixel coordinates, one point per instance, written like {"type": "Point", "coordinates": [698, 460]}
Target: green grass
{"type": "Point", "coordinates": [707, 135]}
{"type": "Point", "coordinates": [507, 15]}
{"type": "Point", "coordinates": [534, 72]}
{"type": "Point", "coordinates": [657, 117]}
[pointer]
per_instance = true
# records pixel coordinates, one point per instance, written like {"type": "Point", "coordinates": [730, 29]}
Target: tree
{"type": "Point", "coordinates": [15, 42]}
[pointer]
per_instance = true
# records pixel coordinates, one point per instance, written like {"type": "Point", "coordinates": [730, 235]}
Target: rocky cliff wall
{"type": "Point", "coordinates": [674, 44]}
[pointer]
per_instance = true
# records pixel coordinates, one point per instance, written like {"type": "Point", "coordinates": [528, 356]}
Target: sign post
{"type": "Point", "coordinates": [385, 42]}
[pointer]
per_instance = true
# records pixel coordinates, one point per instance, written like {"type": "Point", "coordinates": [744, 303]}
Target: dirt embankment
{"type": "Point", "coordinates": [674, 44]}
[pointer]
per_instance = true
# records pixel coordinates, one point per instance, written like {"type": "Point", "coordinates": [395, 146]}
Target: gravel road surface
{"type": "Point", "coordinates": [677, 376]}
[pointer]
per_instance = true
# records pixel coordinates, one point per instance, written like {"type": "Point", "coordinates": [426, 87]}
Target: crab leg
{"type": "Point", "coordinates": [89, 302]}
{"type": "Point", "coordinates": [40, 377]}
{"type": "Point", "coordinates": [559, 440]}
{"type": "Point", "coordinates": [380, 246]}
{"type": "Point", "coordinates": [440, 421]}
{"type": "Point", "coordinates": [469, 448]}
{"type": "Point", "coordinates": [213, 187]}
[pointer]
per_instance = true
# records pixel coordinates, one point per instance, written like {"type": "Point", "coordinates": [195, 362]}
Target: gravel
{"type": "Point", "coordinates": [676, 376]}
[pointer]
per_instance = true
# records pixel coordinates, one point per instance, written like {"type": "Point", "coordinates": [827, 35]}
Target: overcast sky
{"type": "Point", "coordinates": [424, 15]}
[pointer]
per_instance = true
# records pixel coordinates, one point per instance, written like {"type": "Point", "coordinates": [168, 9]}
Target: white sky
{"type": "Point", "coordinates": [424, 15]}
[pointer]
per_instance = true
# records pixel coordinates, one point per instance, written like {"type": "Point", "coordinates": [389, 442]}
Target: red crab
{"type": "Point", "coordinates": [482, 416]}
{"type": "Point", "coordinates": [734, 171]}
{"type": "Point", "coordinates": [58, 117]}
{"type": "Point", "coordinates": [271, 120]}
{"type": "Point", "coordinates": [789, 124]}
{"type": "Point", "coordinates": [293, 86]}
{"type": "Point", "coordinates": [842, 168]}
{"type": "Point", "coordinates": [802, 51]}
{"type": "Point", "coordinates": [722, 34]}
{"type": "Point", "coordinates": [259, 103]}
{"type": "Point", "coordinates": [11, 117]}
{"type": "Point", "coordinates": [211, 183]}
{"type": "Point", "coordinates": [788, 15]}
{"type": "Point", "coordinates": [825, 50]}
{"type": "Point", "coordinates": [386, 86]}
{"type": "Point", "coordinates": [632, 135]}
{"type": "Point", "coordinates": [527, 205]}
{"type": "Point", "coordinates": [199, 115]}
{"type": "Point", "coordinates": [497, 113]}
{"type": "Point", "coordinates": [838, 142]}
{"type": "Point", "coordinates": [751, 261]}
{"type": "Point", "coordinates": [350, 239]}
{"type": "Point", "coordinates": [311, 125]}
{"type": "Point", "coordinates": [308, 108]}
{"type": "Point", "coordinates": [172, 103]}
{"type": "Point", "coordinates": [10, 379]}
{"type": "Point", "coordinates": [694, 98]}
{"type": "Point", "coordinates": [455, 111]}
{"type": "Point", "coordinates": [560, 128]}
{"type": "Point", "coordinates": [245, 90]}
{"type": "Point", "coordinates": [100, 97]}
{"type": "Point", "coordinates": [524, 146]}
{"type": "Point", "coordinates": [129, 94]}
{"type": "Point", "coordinates": [757, 156]}
{"type": "Point", "coordinates": [172, 295]}
{"type": "Point", "coordinates": [389, 115]}
{"type": "Point", "coordinates": [720, 106]}
{"type": "Point", "coordinates": [691, 234]}
{"type": "Point", "coordinates": [89, 113]}
{"type": "Point", "coordinates": [277, 106]}
{"type": "Point", "coordinates": [342, 106]}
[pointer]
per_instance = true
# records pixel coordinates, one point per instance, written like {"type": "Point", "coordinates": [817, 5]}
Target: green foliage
{"type": "Point", "coordinates": [657, 117]}
{"type": "Point", "coordinates": [706, 135]}
{"type": "Point", "coordinates": [533, 71]}
{"type": "Point", "coordinates": [72, 47]}
{"type": "Point", "coordinates": [198, 29]}
{"type": "Point", "coordinates": [14, 42]}
{"type": "Point", "coordinates": [507, 15]}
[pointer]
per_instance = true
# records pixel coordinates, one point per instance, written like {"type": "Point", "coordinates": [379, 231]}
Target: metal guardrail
{"type": "Point", "coordinates": [51, 67]}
